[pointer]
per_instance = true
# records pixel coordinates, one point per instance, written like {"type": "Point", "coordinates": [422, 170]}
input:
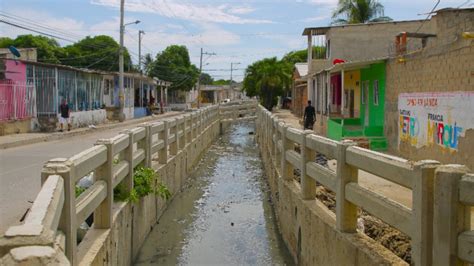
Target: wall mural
{"type": "Point", "coordinates": [438, 118]}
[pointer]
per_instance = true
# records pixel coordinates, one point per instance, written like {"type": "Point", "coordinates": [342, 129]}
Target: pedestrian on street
{"type": "Point", "coordinates": [309, 116]}
{"type": "Point", "coordinates": [65, 115]}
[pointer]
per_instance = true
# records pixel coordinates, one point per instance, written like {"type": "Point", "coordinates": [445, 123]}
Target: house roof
{"type": "Point", "coordinates": [100, 72]}
{"type": "Point", "coordinates": [324, 30]}
{"type": "Point", "coordinates": [352, 65]}
{"type": "Point", "coordinates": [302, 69]}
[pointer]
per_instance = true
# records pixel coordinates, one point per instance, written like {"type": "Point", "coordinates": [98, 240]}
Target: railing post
{"type": "Point", "coordinates": [67, 223]}
{"type": "Point", "coordinates": [128, 156]}
{"type": "Point", "coordinates": [277, 149]}
{"type": "Point", "coordinates": [103, 213]}
{"type": "Point", "coordinates": [175, 144]}
{"type": "Point", "coordinates": [346, 212]}
{"type": "Point", "coordinates": [163, 153]}
{"type": "Point", "coordinates": [275, 133]}
{"type": "Point", "coordinates": [146, 144]}
{"type": "Point", "coordinates": [422, 239]}
{"type": "Point", "coordinates": [185, 141]}
{"type": "Point", "coordinates": [308, 185]}
{"type": "Point", "coordinates": [286, 167]}
{"type": "Point", "coordinates": [189, 135]}
{"type": "Point", "coordinates": [450, 216]}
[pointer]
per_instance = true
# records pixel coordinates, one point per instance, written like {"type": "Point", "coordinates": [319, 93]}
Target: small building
{"type": "Point", "coordinates": [356, 105]}
{"type": "Point", "coordinates": [142, 95]}
{"type": "Point", "coordinates": [31, 93]}
{"type": "Point", "coordinates": [429, 100]}
{"type": "Point", "coordinates": [213, 94]}
{"type": "Point", "coordinates": [39, 88]}
{"type": "Point", "coordinates": [342, 73]}
{"type": "Point", "coordinates": [299, 91]}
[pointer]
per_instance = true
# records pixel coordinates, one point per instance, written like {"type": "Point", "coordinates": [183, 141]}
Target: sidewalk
{"type": "Point", "coordinates": [288, 117]}
{"type": "Point", "coordinates": [16, 140]}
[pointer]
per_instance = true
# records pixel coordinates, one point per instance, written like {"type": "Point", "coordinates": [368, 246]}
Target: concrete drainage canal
{"type": "Point", "coordinates": [223, 214]}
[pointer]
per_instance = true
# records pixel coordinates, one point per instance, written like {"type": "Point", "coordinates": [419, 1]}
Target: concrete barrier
{"type": "Point", "coordinates": [313, 233]}
{"type": "Point", "coordinates": [49, 235]}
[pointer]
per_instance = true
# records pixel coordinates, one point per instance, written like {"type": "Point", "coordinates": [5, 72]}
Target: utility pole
{"type": "Point", "coordinates": [121, 115]}
{"type": "Point", "coordinates": [140, 33]}
{"type": "Point", "coordinates": [199, 78]}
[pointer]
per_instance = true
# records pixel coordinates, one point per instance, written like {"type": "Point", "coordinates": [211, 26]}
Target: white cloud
{"type": "Point", "coordinates": [316, 19]}
{"type": "Point", "coordinates": [240, 10]}
{"type": "Point", "coordinates": [329, 3]}
{"type": "Point", "coordinates": [188, 11]}
{"type": "Point", "coordinates": [66, 27]}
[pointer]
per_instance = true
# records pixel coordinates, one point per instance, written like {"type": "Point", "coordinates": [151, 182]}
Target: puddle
{"type": "Point", "coordinates": [223, 215]}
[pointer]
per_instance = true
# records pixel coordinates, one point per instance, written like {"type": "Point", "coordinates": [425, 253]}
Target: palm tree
{"type": "Point", "coordinates": [359, 11]}
{"type": "Point", "coordinates": [147, 63]}
{"type": "Point", "coordinates": [267, 78]}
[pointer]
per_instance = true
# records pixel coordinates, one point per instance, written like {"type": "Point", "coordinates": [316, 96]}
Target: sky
{"type": "Point", "coordinates": [238, 32]}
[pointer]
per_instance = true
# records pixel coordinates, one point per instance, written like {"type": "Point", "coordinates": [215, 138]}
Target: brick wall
{"type": "Point", "coordinates": [445, 65]}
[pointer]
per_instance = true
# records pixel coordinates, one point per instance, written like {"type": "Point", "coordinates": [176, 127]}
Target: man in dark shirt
{"type": "Point", "coordinates": [309, 116]}
{"type": "Point", "coordinates": [64, 118]}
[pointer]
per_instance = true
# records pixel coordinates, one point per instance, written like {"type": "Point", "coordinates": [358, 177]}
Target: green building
{"type": "Point", "coordinates": [356, 103]}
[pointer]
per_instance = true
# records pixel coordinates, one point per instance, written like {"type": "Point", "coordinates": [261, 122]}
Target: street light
{"type": "Point", "coordinates": [121, 115]}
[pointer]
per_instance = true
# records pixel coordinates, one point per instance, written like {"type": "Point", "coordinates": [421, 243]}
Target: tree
{"type": "Point", "coordinates": [206, 79]}
{"type": "Point", "coordinates": [301, 56]}
{"type": "Point", "coordinates": [48, 50]}
{"type": "Point", "coordinates": [221, 82]}
{"type": "Point", "coordinates": [147, 63]}
{"type": "Point", "coordinates": [5, 42]}
{"type": "Point", "coordinates": [268, 79]}
{"type": "Point", "coordinates": [174, 65]}
{"type": "Point", "coordinates": [99, 52]}
{"type": "Point", "coordinates": [359, 11]}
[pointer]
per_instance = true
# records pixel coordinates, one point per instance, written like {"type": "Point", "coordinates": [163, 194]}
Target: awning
{"type": "Point", "coordinates": [354, 65]}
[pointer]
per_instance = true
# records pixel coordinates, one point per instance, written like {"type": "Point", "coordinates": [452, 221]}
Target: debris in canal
{"type": "Point", "coordinates": [228, 187]}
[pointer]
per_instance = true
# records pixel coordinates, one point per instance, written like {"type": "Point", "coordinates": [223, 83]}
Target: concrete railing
{"type": "Point", "coordinates": [453, 200]}
{"type": "Point", "coordinates": [51, 227]}
{"type": "Point", "coordinates": [292, 149]}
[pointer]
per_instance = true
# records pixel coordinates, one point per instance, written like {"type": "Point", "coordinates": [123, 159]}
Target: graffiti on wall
{"type": "Point", "coordinates": [438, 118]}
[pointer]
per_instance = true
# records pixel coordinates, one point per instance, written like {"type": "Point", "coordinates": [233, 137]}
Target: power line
{"type": "Point", "coordinates": [57, 34]}
{"type": "Point", "coordinates": [428, 16]}
{"type": "Point", "coordinates": [43, 33]}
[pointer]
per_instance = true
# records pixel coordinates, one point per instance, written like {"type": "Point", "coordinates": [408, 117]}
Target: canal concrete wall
{"type": "Point", "coordinates": [309, 231]}
{"type": "Point", "coordinates": [437, 221]}
{"type": "Point", "coordinates": [133, 222]}
{"type": "Point", "coordinates": [49, 234]}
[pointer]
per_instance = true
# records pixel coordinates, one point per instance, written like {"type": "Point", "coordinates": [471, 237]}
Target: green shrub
{"type": "Point", "coordinates": [143, 185]}
{"type": "Point", "coordinates": [79, 190]}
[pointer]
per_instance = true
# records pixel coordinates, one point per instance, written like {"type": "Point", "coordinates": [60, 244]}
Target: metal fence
{"type": "Point", "coordinates": [17, 100]}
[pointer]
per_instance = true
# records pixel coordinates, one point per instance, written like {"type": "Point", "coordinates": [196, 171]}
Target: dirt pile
{"type": "Point", "coordinates": [376, 229]}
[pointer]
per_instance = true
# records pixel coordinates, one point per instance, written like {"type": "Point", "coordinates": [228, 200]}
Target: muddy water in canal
{"type": "Point", "coordinates": [223, 216]}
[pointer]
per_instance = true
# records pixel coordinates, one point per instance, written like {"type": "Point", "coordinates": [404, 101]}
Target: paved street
{"type": "Point", "coordinates": [20, 170]}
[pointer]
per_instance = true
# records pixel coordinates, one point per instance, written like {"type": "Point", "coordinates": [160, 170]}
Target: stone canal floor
{"type": "Point", "coordinates": [223, 216]}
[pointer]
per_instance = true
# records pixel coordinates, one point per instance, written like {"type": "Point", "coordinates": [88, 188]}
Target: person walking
{"type": "Point", "coordinates": [309, 116]}
{"type": "Point", "coordinates": [65, 113]}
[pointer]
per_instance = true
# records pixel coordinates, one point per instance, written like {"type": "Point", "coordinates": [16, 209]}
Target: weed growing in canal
{"type": "Point", "coordinates": [143, 185]}
{"type": "Point", "coordinates": [79, 190]}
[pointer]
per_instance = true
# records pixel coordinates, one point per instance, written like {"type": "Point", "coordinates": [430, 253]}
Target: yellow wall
{"type": "Point", "coordinates": [352, 81]}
